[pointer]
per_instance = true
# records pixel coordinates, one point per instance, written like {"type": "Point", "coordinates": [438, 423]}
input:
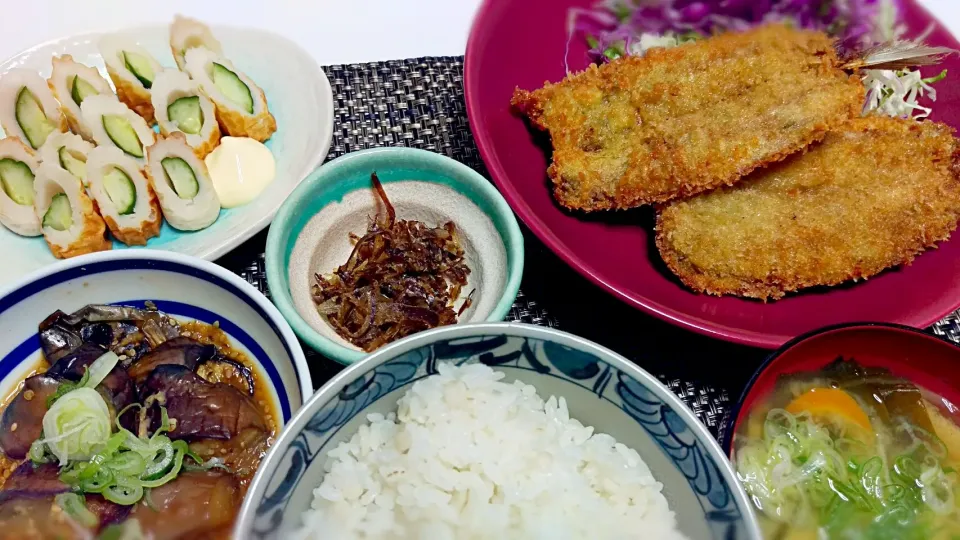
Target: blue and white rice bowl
{"type": "Point", "coordinates": [601, 388]}
{"type": "Point", "coordinates": [184, 287]}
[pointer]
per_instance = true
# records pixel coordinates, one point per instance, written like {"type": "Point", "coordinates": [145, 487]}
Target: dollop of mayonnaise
{"type": "Point", "coordinates": [240, 168]}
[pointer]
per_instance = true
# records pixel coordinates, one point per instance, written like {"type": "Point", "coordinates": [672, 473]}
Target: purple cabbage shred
{"type": "Point", "coordinates": [612, 26]}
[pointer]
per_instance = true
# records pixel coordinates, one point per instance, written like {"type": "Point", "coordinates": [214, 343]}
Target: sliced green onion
{"type": "Point", "coordinates": [71, 476]}
{"type": "Point", "coordinates": [122, 412]}
{"type": "Point", "coordinates": [907, 468]}
{"type": "Point", "coordinates": [100, 368]}
{"type": "Point", "coordinates": [124, 464]}
{"type": "Point", "coordinates": [76, 507]}
{"type": "Point", "coordinates": [135, 444]}
{"type": "Point", "coordinates": [37, 453]}
{"type": "Point", "coordinates": [90, 469]}
{"type": "Point", "coordinates": [99, 482]}
{"type": "Point", "coordinates": [128, 530]}
{"type": "Point", "coordinates": [161, 462]}
{"type": "Point", "coordinates": [148, 499]}
{"type": "Point", "coordinates": [114, 443]}
{"type": "Point", "coordinates": [164, 423]}
{"type": "Point", "coordinates": [128, 464]}
{"type": "Point", "coordinates": [76, 425]}
{"type": "Point", "coordinates": [63, 389]}
{"type": "Point", "coordinates": [124, 490]}
{"type": "Point", "coordinates": [201, 465]}
{"type": "Point", "coordinates": [180, 448]}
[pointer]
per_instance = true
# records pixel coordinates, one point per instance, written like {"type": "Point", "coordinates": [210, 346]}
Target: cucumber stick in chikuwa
{"type": "Point", "coordinates": [122, 134]}
{"type": "Point", "coordinates": [59, 215]}
{"type": "Point", "coordinates": [80, 89]}
{"type": "Point", "coordinates": [120, 189]}
{"type": "Point", "coordinates": [181, 177]}
{"type": "Point", "coordinates": [17, 180]}
{"type": "Point", "coordinates": [31, 118]}
{"type": "Point", "coordinates": [187, 114]}
{"type": "Point", "coordinates": [232, 87]}
{"type": "Point", "coordinates": [140, 66]}
{"type": "Point", "coordinates": [73, 164]}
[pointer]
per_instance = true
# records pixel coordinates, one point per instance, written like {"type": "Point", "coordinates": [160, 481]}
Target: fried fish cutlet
{"type": "Point", "coordinates": [875, 194]}
{"type": "Point", "coordinates": [680, 121]}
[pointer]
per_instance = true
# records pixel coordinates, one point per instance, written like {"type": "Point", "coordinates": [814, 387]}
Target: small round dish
{"type": "Point", "coordinates": [602, 389]}
{"type": "Point", "coordinates": [311, 233]}
{"type": "Point", "coordinates": [909, 353]}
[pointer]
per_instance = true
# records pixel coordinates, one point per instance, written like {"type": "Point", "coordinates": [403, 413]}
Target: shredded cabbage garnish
{"type": "Point", "coordinates": [648, 41]}
{"type": "Point", "coordinates": [611, 25]}
{"type": "Point", "coordinates": [896, 93]}
{"type": "Point", "coordinates": [615, 28]}
{"type": "Point", "coordinates": [803, 475]}
{"type": "Point", "coordinates": [76, 424]}
{"type": "Point", "coordinates": [891, 93]}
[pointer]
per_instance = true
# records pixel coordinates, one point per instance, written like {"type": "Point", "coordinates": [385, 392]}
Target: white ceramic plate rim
{"type": "Point", "coordinates": [296, 351]}
{"type": "Point", "coordinates": [324, 96]}
{"type": "Point", "coordinates": [293, 428]}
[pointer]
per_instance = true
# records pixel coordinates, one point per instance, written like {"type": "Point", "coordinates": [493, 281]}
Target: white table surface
{"type": "Point", "coordinates": [334, 31]}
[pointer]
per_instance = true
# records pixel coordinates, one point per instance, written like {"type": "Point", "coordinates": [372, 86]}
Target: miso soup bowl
{"type": "Point", "coordinates": [926, 360]}
{"type": "Point", "coordinates": [602, 389]}
{"type": "Point", "coordinates": [184, 287]}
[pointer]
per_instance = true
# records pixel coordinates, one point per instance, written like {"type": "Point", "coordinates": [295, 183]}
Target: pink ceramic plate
{"type": "Point", "coordinates": [522, 43]}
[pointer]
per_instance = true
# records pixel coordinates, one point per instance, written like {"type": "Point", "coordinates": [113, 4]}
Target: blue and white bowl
{"type": "Point", "coordinates": [184, 287]}
{"type": "Point", "coordinates": [602, 389]}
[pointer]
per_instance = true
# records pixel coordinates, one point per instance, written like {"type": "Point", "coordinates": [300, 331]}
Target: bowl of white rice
{"type": "Point", "coordinates": [495, 431]}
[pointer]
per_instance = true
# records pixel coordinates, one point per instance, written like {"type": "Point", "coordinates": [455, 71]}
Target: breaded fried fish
{"type": "Point", "coordinates": [875, 194]}
{"type": "Point", "coordinates": [680, 121]}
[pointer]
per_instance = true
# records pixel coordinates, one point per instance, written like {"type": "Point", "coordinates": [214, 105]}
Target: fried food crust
{"type": "Point", "coordinates": [148, 228]}
{"type": "Point", "coordinates": [92, 237]}
{"type": "Point", "coordinates": [133, 96]}
{"type": "Point", "coordinates": [873, 195]}
{"type": "Point", "coordinates": [238, 124]}
{"type": "Point", "coordinates": [680, 121]}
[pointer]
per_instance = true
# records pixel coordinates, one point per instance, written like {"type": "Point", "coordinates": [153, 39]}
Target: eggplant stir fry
{"type": "Point", "coordinates": [141, 427]}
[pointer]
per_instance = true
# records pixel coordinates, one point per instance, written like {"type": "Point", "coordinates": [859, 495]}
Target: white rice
{"type": "Point", "coordinates": [469, 457]}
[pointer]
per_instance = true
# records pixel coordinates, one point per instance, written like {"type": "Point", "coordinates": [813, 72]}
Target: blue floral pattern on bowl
{"type": "Point", "coordinates": [528, 354]}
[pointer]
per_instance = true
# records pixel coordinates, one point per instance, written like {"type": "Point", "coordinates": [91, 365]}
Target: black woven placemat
{"type": "Point", "coordinates": [419, 103]}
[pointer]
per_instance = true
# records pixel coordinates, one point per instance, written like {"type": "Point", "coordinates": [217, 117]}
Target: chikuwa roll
{"type": "Point", "coordinates": [180, 106]}
{"type": "Point", "coordinates": [69, 151]}
{"type": "Point", "coordinates": [182, 183]}
{"type": "Point", "coordinates": [28, 109]}
{"type": "Point", "coordinates": [71, 83]}
{"type": "Point", "coordinates": [18, 169]}
{"type": "Point", "coordinates": [186, 34]}
{"type": "Point", "coordinates": [70, 223]}
{"type": "Point", "coordinates": [126, 201]}
{"type": "Point", "coordinates": [114, 124]}
{"type": "Point", "coordinates": [132, 70]}
{"type": "Point", "coordinates": [240, 104]}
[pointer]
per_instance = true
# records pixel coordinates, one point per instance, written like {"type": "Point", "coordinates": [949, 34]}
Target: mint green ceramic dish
{"type": "Point", "coordinates": [310, 233]}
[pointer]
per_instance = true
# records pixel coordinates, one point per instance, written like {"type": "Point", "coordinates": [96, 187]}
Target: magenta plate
{"type": "Point", "coordinates": [522, 43]}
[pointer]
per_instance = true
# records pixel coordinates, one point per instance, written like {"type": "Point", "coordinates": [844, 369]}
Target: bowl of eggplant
{"type": "Point", "coordinates": [143, 389]}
